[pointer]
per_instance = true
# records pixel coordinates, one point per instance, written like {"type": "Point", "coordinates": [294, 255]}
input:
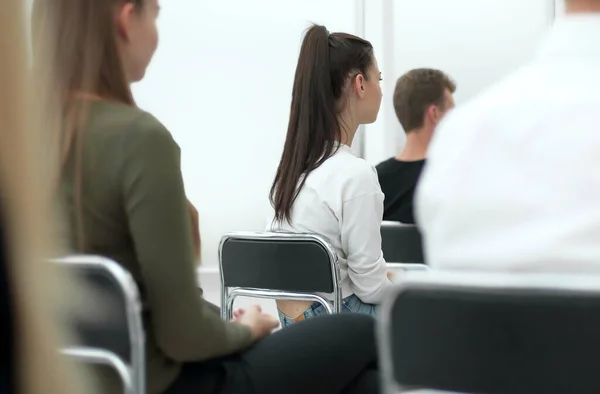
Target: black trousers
{"type": "Point", "coordinates": [334, 354]}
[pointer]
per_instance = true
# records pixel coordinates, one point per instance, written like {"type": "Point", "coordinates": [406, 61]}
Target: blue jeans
{"type": "Point", "coordinates": [350, 304]}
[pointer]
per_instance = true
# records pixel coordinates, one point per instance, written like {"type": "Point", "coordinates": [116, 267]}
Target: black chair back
{"type": "Point", "coordinates": [493, 335]}
{"type": "Point", "coordinates": [279, 261]}
{"type": "Point", "coordinates": [401, 243]}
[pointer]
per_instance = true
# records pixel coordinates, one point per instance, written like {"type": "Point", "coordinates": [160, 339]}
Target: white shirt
{"type": "Point", "coordinates": [342, 201]}
{"type": "Point", "coordinates": [513, 177]}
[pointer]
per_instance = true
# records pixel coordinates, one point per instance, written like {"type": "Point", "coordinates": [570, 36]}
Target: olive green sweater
{"type": "Point", "coordinates": [135, 211]}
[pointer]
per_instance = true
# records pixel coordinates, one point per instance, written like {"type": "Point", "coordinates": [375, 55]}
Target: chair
{"type": "Point", "coordinates": [116, 340]}
{"type": "Point", "coordinates": [401, 246]}
{"type": "Point", "coordinates": [493, 334]}
{"type": "Point", "coordinates": [280, 266]}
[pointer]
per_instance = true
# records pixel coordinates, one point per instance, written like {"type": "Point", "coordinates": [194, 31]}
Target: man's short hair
{"type": "Point", "coordinates": [416, 91]}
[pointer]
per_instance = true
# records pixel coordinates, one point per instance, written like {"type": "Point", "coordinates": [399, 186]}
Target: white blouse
{"type": "Point", "coordinates": [342, 201]}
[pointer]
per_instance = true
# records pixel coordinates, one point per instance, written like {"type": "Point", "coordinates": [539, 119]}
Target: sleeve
{"type": "Point", "coordinates": [159, 221]}
{"type": "Point", "coordinates": [195, 230]}
{"type": "Point", "coordinates": [361, 240]}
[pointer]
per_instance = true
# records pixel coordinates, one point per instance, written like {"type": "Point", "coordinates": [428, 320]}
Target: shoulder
{"type": "Point", "coordinates": [130, 127]}
{"type": "Point", "coordinates": [385, 165]}
{"type": "Point", "coordinates": [355, 175]}
{"type": "Point", "coordinates": [362, 171]}
{"type": "Point", "coordinates": [146, 127]}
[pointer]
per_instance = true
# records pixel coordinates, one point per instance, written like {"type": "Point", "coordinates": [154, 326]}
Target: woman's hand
{"type": "Point", "coordinates": [260, 324]}
{"type": "Point", "coordinates": [237, 314]}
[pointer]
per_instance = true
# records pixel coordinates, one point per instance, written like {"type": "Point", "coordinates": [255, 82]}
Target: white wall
{"type": "Point", "coordinates": [477, 42]}
{"type": "Point", "coordinates": [221, 82]}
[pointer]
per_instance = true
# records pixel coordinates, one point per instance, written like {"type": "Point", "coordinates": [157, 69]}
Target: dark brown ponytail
{"type": "Point", "coordinates": [325, 64]}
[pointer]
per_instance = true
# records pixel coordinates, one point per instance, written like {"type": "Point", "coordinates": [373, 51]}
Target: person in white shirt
{"type": "Point", "coordinates": [512, 180]}
{"type": "Point", "coordinates": [320, 187]}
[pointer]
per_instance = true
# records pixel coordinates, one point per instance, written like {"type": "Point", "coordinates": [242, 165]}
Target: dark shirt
{"type": "Point", "coordinates": [398, 180]}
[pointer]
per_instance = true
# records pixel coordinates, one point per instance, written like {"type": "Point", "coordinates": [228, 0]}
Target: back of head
{"type": "Point", "coordinates": [77, 47]}
{"type": "Point", "coordinates": [25, 208]}
{"type": "Point", "coordinates": [328, 66]}
{"type": "Point", "coordinates": [77, 40]}
{"type": "Point", "coordinates": [417, 92]}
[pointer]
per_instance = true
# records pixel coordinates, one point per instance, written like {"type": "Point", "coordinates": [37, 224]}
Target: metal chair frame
{"type": "Point", "coordinates": [228, 295]}
{"type": "Point", "coordinates": [132, 374]}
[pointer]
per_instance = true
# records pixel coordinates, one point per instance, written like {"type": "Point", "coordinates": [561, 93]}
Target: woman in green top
{"type": "Point", "coordinates": [121, 183]}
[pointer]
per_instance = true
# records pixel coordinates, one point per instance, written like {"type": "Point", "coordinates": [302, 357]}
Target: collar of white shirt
{"type": "Point", "coordinates": [573, 34]}
{"type": "Point", "coordinates": [343, 147]}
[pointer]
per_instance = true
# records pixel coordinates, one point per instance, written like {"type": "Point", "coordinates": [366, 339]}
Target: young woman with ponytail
{"type": "Point", "coordinates": [320, 186]}
{"type": "Point", "coordinates": [123, 192]}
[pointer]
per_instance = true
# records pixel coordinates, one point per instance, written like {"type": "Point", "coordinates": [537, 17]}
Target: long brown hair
{"type": "Point", "coordinates": [35, 286]}
{"type": "Point", "coordinates": [78, 41]}
{"type": "Point", "coordinates": [325, 65]}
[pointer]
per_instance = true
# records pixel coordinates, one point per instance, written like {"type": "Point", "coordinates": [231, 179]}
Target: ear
{"type": "Point", "coordinates": [433, 113]}
{"type": "Point", "coordinates": [124, 18]}
{"type": "Point", "coordinates": [359, 85]}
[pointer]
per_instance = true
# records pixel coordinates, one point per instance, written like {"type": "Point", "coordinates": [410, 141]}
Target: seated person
{"type": "Point", "coordinates": [513, 183]}
{"type": "Point", "coordinates": [320, 186]}
{"type": "Point", "coordinates": [123, 191]}
{"type": "Point", "coordinates": [421, 99]}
